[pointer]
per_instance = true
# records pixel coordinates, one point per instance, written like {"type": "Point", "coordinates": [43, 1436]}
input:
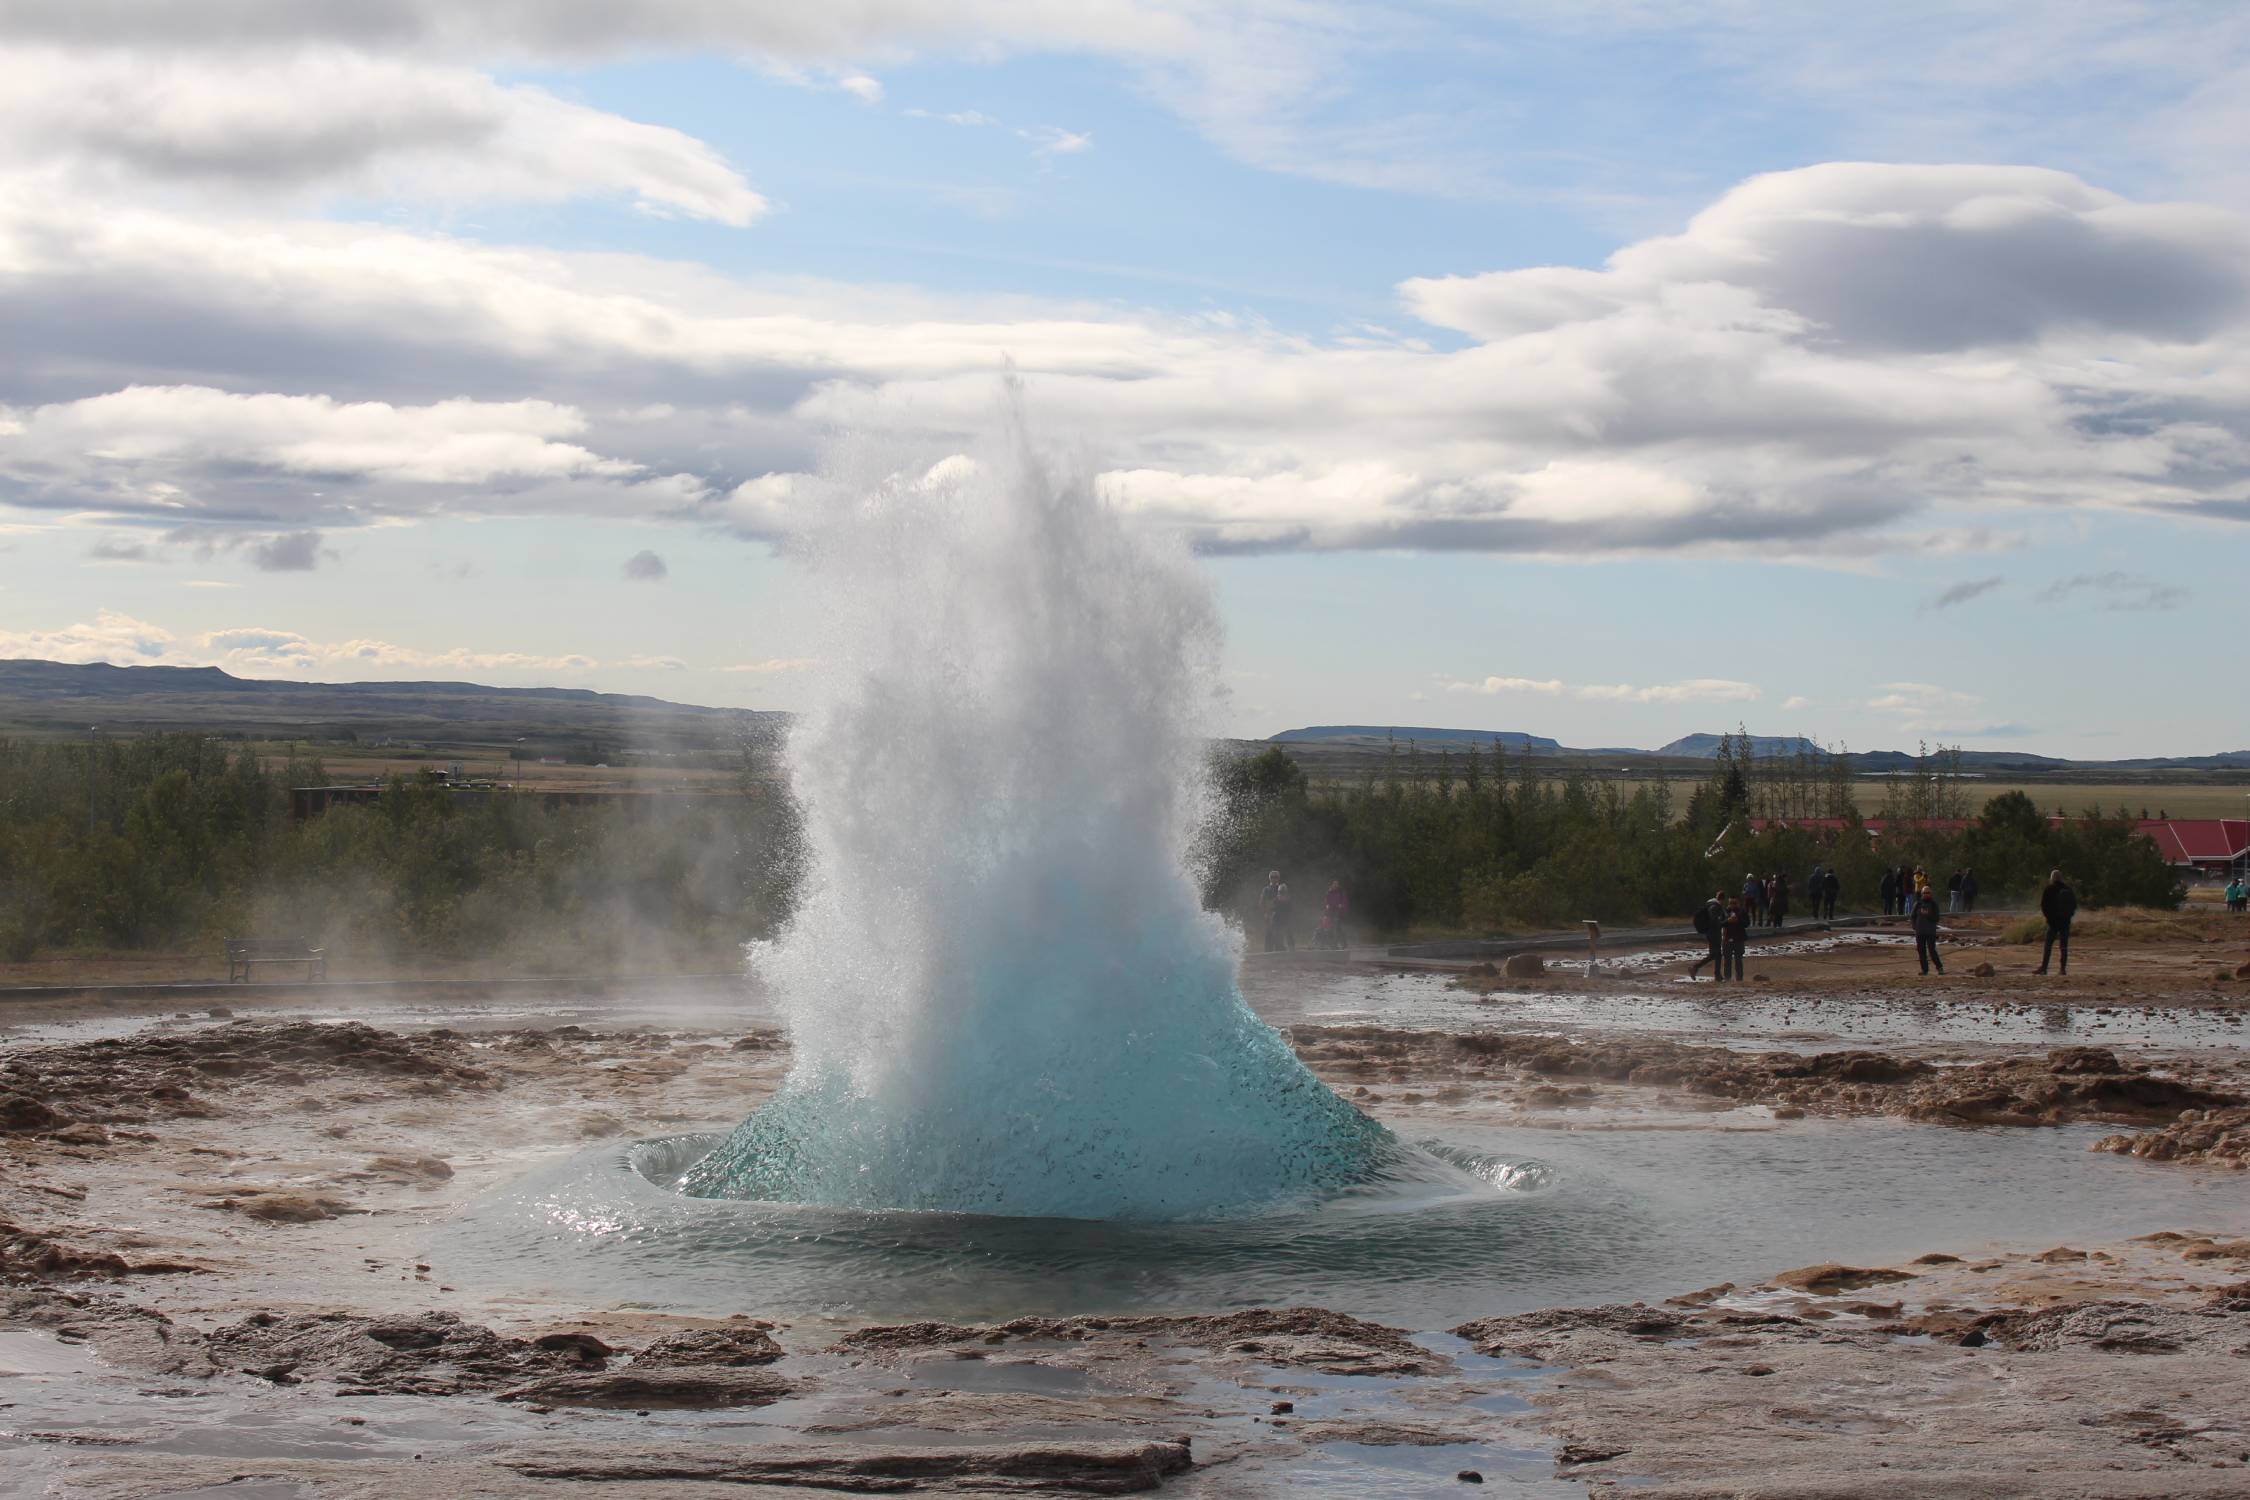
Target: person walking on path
{"type": "Point", "coordinates": [1709, 918]}
{"type": "Point", "coordinates": [2238, 894]}
{"type": "Point", "coordinates": [1779, 906]}
{"type": "Point", "coordinates": [1925, 920]}
{"type": "Point", "coordinates": [1953, 893]}
{"type": "Point", "coordinates": [1333, 906]}
{"type": "Point", "coordinates": [1753, 896]}
{"type": "Point", "coordinates": [2058, 903]}
{"type": "Point", "coordinates": [1831, 886]}
{"type": "Point", "coordinates": [1888, 889]}
{"type": "Point", "coordinates": [1734, 932]}
{"type": "Point", "coordinates": [1968, 890]}
{"type": "Point", "coordinates": [1273, 901]}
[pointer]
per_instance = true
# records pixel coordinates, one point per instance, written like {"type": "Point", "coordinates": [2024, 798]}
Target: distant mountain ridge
{"type": "Point", "coordinates": [1706, 747]}
{"type": "Point", "coordinates": [49, 696]}
{"type": "Point", "coordinates": [1761, 745]}
{"type": "Point", "coordinates": [1381, 734]}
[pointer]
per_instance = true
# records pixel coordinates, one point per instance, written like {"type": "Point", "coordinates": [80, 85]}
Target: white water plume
{"type": "Point", "coordinates": [1003, 993]}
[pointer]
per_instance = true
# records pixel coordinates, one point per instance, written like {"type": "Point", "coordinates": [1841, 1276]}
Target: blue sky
{"type": "Point", "coordinates": [1604, 371]}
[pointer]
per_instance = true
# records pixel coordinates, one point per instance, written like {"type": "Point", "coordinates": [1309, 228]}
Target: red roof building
{"type": "Point", "coordinates": [2208, 846]}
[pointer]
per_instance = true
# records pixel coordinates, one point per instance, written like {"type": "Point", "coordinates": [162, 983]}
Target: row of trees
{"type": "Point", "coordinates": [1488, 842]}
{"type": "Point", "coordinates": [176, 841]}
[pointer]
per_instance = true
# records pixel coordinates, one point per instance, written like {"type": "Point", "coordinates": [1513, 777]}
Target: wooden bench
{"type": "Point", "coordinates": [245, 953]}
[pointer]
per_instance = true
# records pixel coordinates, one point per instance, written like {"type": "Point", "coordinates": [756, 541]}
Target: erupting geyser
{"type": "Point", "coordinates": [1002, 990]}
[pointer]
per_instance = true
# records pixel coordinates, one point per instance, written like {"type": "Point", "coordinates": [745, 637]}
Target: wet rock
{"type": "Point", "coordinates": [1091, 1467]}
{"type": "Point", "coordinates": [146, 1076]}
{"type": "Point", "coordinates": [1301, 1337]}
{"type": "Point", "coordinates": [424, 1354]}
{"type": "Point", "coordinates": [2212, 1137]}
{"type": "Point", "coordinates": [1469, 1476]}
{"type": "Point", "coordinates": [21, 1114]}
{"type": "Point", "coordinates": [1541, 1334]}
{"type": "Point", "coordinates": [732, 1347]}
{"type": "Point", "coordinates": [1523, 966]}
{"type": "Point", "coordinates": [1983, 971]}
{"type": "Point", "coordinates": [279, 1206]}
{"type": "Point", "coordinates": [1829, 1279]}
{"type": "Point", "coordinates": [1704, 1298]}
{"type": "Point", "coordinates": [409, 1170]}
{"type": "Point", "coordinates": [635, 1388]}
{"type": "Point", "coordinates": [2115, 1326]}
{"type": "Point", "coordinates": [1377, 1433]}
{"type": "Point", "coordinates": [1573, 1454]}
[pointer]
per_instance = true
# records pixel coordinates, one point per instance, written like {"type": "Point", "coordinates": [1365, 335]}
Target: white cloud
{"type": "Point", "coordinates": [861, 87]}
{"type": "Point", "coordinates": [255, 652]}
{"type": "Point", "coordinates": [112, 637]}
{"type": "Point", "coordinates": [1550, 687]}
{"type": "Point", "coordinates": [1784, 378]}
{"type": "Point", "coordinates": [1053, 140]}
{"type": "Point", "coordinates": [332, 122]}
{"type": "Point", "coordinates": [1794, 702]}
{"type": "Point", "coordinates": [1692, 690]}
{"type": "Point", "coordinates": [654, 663]}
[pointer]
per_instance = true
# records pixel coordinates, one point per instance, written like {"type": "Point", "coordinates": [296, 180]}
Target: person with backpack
{"type": "Point", "coordinates": [1734, 933]}
{"type": "Point", "coordinates": [2058, 903]}
{"type": "Point", "coordinates": [1709, 917]}
{"type": "Point", "coordinates": [1925, 922]}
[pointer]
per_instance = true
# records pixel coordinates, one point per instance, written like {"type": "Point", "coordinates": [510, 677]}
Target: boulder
{"type": "Point", "coordinates": [1524, 966]}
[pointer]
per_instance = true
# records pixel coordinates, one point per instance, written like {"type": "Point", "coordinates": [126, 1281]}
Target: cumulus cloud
{"type": "Point", "coordinates": [1962, 593]}
{"type": "Point", "coordinates": [2116, 591]}
{"type": "Point", "coordinates": [1794, 702]}
{"type": "Point", "coordinates": [646, 567]}
{"type": "Point", "coordinates": [1778, 379]}
{"type": "Point", "coordinates": [111, 637]}
{"type": "Point", "coordinates": [329, 121]}
{"type": "Point", "coordinates": [1923, 707]}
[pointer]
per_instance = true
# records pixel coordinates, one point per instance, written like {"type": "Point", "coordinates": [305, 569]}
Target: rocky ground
{"type": "Point", "coordinates": [209, 1283]}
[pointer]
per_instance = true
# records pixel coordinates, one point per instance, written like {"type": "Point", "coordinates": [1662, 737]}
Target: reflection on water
{"type": "Point", "coordinates": [1572, 1219]}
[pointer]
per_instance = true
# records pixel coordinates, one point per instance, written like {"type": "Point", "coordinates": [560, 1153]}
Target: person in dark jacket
{"type": "Point", "coordinates": [1888, 890]}
{"type": "Point", "coordinates": [1753, 896]}
{"type": "Point", "coordinates": [1734, 932]}
{"type": "Point", "coordinates": [1968, 890]}
{"type": "Point", "coordinates": [1925, 920]}
{"type": "Point", "coordinates": [1831, 886]}
{"type": "Point", "coordinates": [1953, 892]}
{"type": "Point", "coordinates": [1709, 918]}
{"type": "Point", "coordinates": [2058, 903]}
{"type": "Point", "coordinates": [1777, 900]}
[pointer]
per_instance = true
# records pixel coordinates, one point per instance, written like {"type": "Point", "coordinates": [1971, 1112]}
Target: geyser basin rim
{"type": "Point", "coordinates": [1402, 1177]}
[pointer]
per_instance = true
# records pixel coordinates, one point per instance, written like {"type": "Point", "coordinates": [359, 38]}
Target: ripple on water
{"type": "Point", "coordinates": [1466, 1225]}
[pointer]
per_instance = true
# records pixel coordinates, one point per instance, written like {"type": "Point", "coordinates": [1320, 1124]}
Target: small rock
{"type": "Point", "coordinates": [1469, 1476]}
{"type": "Point", "coordinates": [1281, 1407]}
{"type": "Point", "coordinates": [1827, 1279]}
{"type": "Point", "coordinates": [1524, 966]}
{"type": "Point", "coordinates": [1984, 971]}
{"type": "Point", "coordinates": [220, 1013]}
{"type": "Point", "coordinates": [20, 1114]}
